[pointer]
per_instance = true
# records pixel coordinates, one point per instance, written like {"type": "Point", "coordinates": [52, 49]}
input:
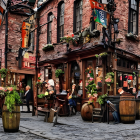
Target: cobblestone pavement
{"type": "Point", "coordinates": [71, 128]}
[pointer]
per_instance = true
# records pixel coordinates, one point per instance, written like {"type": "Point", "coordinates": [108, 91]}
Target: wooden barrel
{"type": "Point", "coordinates": [11, 120]}
{"type": "Point", "coordinates": [127, 108]}
{"type": "Point", "coordinates": [138, 109]}
{"type": "Point", "coordinates": [86, 112]}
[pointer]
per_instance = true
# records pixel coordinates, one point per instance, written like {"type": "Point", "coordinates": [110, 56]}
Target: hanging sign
{"type": "Point", "coordinates": [25, 34]}
{"type": "Point", "coordinates": [100, 17]}
{"type": "Point", "coordinates": [94, 4]}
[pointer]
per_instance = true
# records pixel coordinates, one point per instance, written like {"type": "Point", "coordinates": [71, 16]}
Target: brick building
{"type": "Point", "coordinates": [20, 68]}
{"type": "Point", "coordinates": [59, 18]}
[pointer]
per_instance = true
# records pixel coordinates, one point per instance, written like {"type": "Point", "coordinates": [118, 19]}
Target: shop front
{"type": "Point", "coordinates": [95, 63]}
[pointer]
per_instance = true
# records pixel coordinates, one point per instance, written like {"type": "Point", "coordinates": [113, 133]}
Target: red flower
{"type": "Point", "coordinates": [72, 35]}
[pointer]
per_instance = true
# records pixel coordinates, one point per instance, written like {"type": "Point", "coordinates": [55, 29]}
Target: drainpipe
{"type": "Point", "coordinates": [6, 38]}
{"type": "Point", "coordinates": [37, 47]}
{"type": "Point", "coordinates": [6, 41]}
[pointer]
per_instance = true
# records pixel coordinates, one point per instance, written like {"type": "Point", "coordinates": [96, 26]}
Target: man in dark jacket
{"type": "Point", "coordinates": [28, 95]}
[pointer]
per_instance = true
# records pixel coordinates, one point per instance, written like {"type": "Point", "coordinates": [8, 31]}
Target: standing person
{"type": "Point", "coordinates": [28, 95]}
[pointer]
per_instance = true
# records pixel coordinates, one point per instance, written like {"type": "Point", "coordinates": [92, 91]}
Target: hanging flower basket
{"type": "Point", "coordinates": [48, 47]}
{"type": "Point", "coordinates": [109, 78]}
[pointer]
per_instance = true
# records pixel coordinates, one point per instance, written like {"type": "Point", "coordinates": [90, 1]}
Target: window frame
{"type": "Point", "coordinates": [49, 73]}
{"type": "Point", "coordinates": [137, 17]}
{"type": "Point", "coordinates": [74, 16]}
{"type": "Point", "coordinates": [58, 21]}
{"type": "Point", "coordinates": [49, 39]}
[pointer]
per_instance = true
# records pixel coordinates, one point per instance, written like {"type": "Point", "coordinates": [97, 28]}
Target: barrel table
{"type": "Point", "coordinates": [127, 109]}
{"type": "Point", "coordinates": [11, 120]}
{"type": "Point", "coordinates": [86, 112]}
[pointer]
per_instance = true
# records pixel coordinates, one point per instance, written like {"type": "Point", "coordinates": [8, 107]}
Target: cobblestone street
{"type": "Point", "coordinates": [70, 128]}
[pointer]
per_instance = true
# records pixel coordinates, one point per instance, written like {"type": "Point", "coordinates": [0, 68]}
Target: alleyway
{"type": "Point", "coordinates": [70, 128]}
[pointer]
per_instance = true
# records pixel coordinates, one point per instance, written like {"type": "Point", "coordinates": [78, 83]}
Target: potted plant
{"type": "Point", "coordinates": [131, 36]}
{"type": "Point", "coordinates": [11, 109]}
{"type": "Point", "coordinates": [92, 91]}
{"type": "Point", "coordinates": [101, 99]}
{"type": "Point", "coordinates": [109, 78]}
{"type": "Point", "coordinates": [58, 73]}
{"type": "Point", "coordinates": [3, 72]}
{"type": "Point", "coordinates": [66, 39]}
{"type": "Point", "coordinates": [48, 47]}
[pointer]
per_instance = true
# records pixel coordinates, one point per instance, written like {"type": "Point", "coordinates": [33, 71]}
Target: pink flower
{"type": "Point", "coordinates": [1, 88]}
{"type": "Point", "coordinates": [10, 88]}
{"type": "Point", "coordinates": [88, 75]}
{"type": "Point", "coordinates": [91, 79]}
{"type": "Point", "coordinates": [87, 84]}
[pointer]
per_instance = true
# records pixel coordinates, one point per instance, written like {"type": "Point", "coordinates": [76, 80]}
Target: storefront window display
{"type": "Point", "coordinates": [75, 77]}
{"type": "Point", "coordinates": [126, 80]}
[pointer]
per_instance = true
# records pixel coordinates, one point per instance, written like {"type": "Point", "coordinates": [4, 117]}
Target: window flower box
{"type": "Point", "coordinates": [48, 47]}
{"type": "Point", "coordinates": [131, 36]}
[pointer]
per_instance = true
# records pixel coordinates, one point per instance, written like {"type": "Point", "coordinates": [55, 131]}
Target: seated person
{"type": "Point", "coordinates": [115, 113]}
{"type": "Point", "coordinates": [50, 92]}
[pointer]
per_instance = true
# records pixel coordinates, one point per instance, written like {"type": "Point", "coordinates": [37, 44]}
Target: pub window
{"type": "Point", "coordinates": [60, 31]}
{"type": "Point", "coordinates": [133, 17]}
{"type": "Point", "coordinates": [49, 30]}
{"type": "Point", "coordinates": [78, 15]}
{"type": "Point", "coordinates": [47, 73]}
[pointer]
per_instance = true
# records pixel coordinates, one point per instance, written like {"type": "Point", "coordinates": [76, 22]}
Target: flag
{"type": "Point", "coordinates": [100, 16]}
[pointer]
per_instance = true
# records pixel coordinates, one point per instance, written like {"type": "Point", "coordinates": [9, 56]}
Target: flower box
{"type": "Point", "coordinates": [48, 47]}
{"type": "Point", "coordinates": [131, 36]}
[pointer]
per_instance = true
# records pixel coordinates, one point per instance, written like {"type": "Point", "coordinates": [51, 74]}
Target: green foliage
{"type": "Point", "coordinates": [134, 73]}
{"type": "Point", "coordinates": [101, 99]}
{"type": "Point", "coordinates": [101, 54]}
{"type": "Point", "coordinates": [41, 95]}
{"type": "Point", "coordinates": [47, 47]}
{"type": "Point", "coordinates": [109, 78]}
{"type": "Point", "coordinates": [22, 91]}
{"type": "Point", "coordinates": [91, 87]}
{"type": "Point", "coordinates": [11, 99]}
{"type": "Point", "coordinates": [14, 87]}
{"type": "Point", "coordinates": [96, 55]}
{"type": "Point", "coordinates": [58, 72]}
{"type": "Point", "coordinates": [67, 39]}
{"type": "Point", "coordinates": [3, 72]}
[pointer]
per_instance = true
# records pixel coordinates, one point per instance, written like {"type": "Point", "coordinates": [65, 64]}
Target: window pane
{"type": "Point", "coordinates": [79, 15]}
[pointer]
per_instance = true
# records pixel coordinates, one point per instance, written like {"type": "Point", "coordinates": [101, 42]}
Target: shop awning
{"type": "Point", "coordinates": [52, 61]}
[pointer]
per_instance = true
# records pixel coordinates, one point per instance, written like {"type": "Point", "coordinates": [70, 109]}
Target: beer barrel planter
{"type": "Point", "coordinates": [138, 109]}
{"type": "Point", "coordinates": [11, 120]}
{"type": "Point", "coordinates": [127, 109]}
{"type": "Point", "coordinates": [86, 112]}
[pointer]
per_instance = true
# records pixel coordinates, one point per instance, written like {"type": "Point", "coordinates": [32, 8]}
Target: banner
{"type": "Point", "coordinates": [25, 34]}
{"type": "Point", "coordinates": [100, 16]}
{"type": "Point", "coordinates": [94, 4]}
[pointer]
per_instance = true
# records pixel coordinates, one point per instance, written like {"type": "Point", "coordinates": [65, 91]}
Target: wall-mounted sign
{"type": "Point", "coordinates": [28, 61]}
{"type": "Point", "coordinates": [25, 34]}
